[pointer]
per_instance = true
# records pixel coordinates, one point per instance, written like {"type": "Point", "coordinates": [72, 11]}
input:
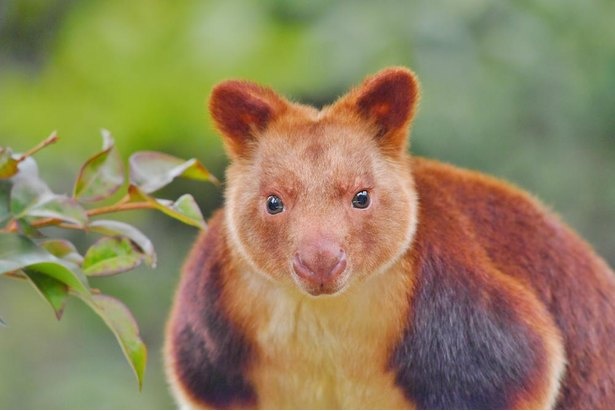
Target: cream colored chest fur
{"type": "Point", "coordinates": [330, 352]}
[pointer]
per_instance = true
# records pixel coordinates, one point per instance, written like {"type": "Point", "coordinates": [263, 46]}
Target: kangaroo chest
{"type": "Point", "coordinates": [330, 352]}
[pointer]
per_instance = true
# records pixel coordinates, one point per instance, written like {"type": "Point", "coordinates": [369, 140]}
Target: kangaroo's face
{"type": "Point", "coordinates": [319, 199]}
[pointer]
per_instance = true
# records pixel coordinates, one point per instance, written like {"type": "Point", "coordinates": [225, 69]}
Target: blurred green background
{"type": "Point", "coordinates": [523, 90]}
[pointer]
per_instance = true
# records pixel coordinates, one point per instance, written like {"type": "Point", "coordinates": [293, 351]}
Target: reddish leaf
{"type": "Point", "coordinates": [63, 249]}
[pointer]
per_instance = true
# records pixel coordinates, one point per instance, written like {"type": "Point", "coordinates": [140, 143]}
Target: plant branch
{"type": "Point", "coordinates": [121, 206]}
{"type": "Point", "coordinates": [12, 227]}
{"type": "Point", "coordinates": [17, 275]}
{"type": "Point", "coordinates": [53, 137]}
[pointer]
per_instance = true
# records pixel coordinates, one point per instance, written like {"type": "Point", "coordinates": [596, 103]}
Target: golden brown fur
{"type": "Point", "coordinates": [460, 291]}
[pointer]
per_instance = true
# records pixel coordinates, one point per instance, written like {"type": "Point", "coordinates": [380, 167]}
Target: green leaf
{"type": "Point", "coordinates": [63, 249]}
{"type": "Point", "coordinates": [111, 255]}
{"type": "Point", "coordinates": [184, 209]}
{"type": "Point", "coordinates": [101, 175]}
{"type": "Point", "coordinates": [28, 229]}
{"type": "Point", "coordinates": [61, 207]}
{"type": "Point", "coordinates": [30, 197]}
{"type": "Point", "coordinates": [187, 207]}
{"type": "Point", "coordinates": [28, 193]}
{"type": "Point", "coordinates": [113, 228]}
{"type": "Point", "coordinates": [71, 276]}
{"type": "Point", "coordinates": [152, 170]}
{"type": "Point", "coordinates": [9, 165]}
{"type": "Point", "coordinates": [5, 210]}
{"type": "Point", "coordinates": [53, 291]}
{"type": "Point", "coordinates": [18, 252]}
{"type": "Point", "coordinates": [123, 325]}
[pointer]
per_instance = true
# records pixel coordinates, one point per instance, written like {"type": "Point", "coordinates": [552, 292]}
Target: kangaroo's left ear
{"type": "Point", "coordinates": [241, 111]}
{"type": "Point", "coordinates": [387, 101]}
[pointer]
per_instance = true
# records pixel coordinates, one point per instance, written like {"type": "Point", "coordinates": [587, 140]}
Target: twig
{"type": "Point", "coordinates": [119, 207]}
{"type": "Point", "coordinates": [17, 275]}
{"type": "Point", "coordinates": [53, 137]}
{"type": "Point", "coordinates": [12, 227]}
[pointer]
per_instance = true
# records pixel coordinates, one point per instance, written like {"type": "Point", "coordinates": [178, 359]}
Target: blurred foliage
{"type": "Point", "coordinates": [523, 90]}
{"type": "Point", "coordinates": [53, 265]}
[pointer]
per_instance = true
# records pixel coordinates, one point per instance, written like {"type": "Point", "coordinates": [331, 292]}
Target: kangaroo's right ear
{"type": "Point", "coordinates": [241, 111]}
{"type": "Point", "coordinates": [387, 101]}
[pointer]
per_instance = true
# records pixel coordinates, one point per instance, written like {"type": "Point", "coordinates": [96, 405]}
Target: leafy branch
{"type": "Point", "coordinates": [54, 266]}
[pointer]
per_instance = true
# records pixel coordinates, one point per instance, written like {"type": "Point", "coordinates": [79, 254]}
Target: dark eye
{"type": "Point", "coordinates": [361, 199]}
{"type": "Point", "coordinates": [274, 205]}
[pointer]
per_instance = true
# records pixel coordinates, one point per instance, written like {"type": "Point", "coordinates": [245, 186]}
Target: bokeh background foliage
{"type": "Point", "coordinates": [523, 90]}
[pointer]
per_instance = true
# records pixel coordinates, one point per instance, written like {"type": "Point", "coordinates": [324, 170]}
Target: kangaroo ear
{"type": "Point", "coordinates": [387, 101]}
{"type": "Point", "coordinates": [241, 111]}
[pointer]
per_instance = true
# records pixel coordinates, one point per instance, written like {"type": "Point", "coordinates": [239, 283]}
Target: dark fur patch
{"type": "Point", "coordinates": [211, 353]}
{"type": "Point", "coordinates": [533, 247]}
{"type": "Point", "coordinates": [466, 348]}
{"type": "Point", "coordinates": [209, 379]}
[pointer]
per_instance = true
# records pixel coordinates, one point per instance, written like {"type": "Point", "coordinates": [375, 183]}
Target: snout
{"type": "Point", "coordinates": [320, 266]}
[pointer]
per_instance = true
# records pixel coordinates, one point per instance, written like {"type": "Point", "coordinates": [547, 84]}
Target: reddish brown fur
{"type": "Point", "coordinates": [439, 188]}
{"type": "Point", "coordinates": [480, 306]}
{"type": "Point", "coordinates": [573, 283]}
{"type": "Point", "coordinates": [242, 108]}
